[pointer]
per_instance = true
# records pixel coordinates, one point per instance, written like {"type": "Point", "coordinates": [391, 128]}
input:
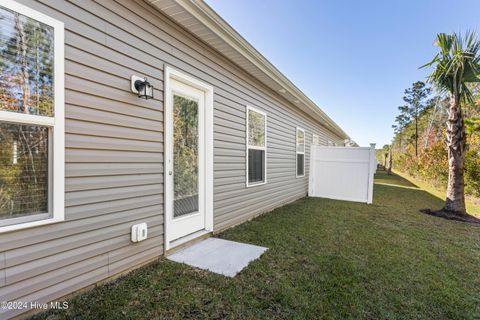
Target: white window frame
{"type": "Point", "coordinates": [56, 125]}
{"type": "Point", "coordinates": [297, 152]}
{"type": "Point", "coordinates": [317, 138]}
{"type": "Point", "coordinates": [248, 147]}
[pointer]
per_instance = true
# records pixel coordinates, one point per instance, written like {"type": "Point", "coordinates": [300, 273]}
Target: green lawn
{"type": "Point", "coordinates": [327, 259]}
{"type": "Point", "coordinates": [473, 204]}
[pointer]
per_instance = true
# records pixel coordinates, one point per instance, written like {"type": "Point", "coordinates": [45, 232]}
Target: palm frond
{"type": "Point", "coordinates": [456, 64]}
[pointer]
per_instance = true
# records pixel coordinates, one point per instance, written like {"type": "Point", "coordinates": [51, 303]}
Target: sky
{"type": "Point", "coordinates": [353, 58]}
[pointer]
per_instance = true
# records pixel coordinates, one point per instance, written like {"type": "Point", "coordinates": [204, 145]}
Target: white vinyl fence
{"type": "Point", "coordinates": [343, 173]}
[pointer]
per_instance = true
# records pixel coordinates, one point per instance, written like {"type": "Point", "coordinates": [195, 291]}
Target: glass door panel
{"type": "Point", "coordinates": [185, 155]}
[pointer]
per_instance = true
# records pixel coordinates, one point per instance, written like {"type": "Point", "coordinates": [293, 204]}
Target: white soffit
{"type": "Point", "coordinates": [201, 20]}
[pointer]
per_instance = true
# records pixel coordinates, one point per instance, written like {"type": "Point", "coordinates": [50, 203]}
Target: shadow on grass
{"type": "Point", "coordinates": [382, 177]}
{"type": "Point", "coordinates": [396, 191]}
{"type": "Point", "coordinates": [432, 208]}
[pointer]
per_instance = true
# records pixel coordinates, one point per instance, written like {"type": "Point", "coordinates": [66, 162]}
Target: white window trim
{"type": "Point", "coordinates": [56, 125]}
{"type": "Point", "coordinates": [248, 184]}
{"type": "Point", "coordinates": [297, 153]}
{"type": "Point", "coordinates": [317, 138]}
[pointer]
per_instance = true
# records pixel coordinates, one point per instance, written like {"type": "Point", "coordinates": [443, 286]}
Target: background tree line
{"type": "Point", "coordinates": [419, 147]}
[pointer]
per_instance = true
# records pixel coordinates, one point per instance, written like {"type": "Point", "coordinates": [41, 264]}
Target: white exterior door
{"type": "Point", "coordinates": [187, 152]}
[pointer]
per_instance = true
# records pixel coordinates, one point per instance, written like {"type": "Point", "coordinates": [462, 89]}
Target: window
{"type": "Point", "coordinates": [315, 139]}
{"type": "Point", "coordinates": [256, 147]}
{"type": "Point", "coordinates": [300, 151]}
{"type": "Point", "coordinates": [31, 118]}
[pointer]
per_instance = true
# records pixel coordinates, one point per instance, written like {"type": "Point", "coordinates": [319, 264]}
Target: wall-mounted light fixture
{"type": "Point", "coordinates": [142, 87]}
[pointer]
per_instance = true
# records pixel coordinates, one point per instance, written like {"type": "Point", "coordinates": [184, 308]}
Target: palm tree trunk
{"type": "Point", "coordinates": [456, 143]}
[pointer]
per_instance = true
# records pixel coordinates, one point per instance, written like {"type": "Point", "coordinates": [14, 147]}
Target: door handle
{"type": "Point", "coordinates": [170, 173]}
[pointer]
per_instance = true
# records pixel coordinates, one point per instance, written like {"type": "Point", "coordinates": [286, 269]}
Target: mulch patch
{"type": "Point", "coordinates": [450, 215]}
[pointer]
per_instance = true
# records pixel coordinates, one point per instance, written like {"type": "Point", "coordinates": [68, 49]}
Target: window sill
{"type": "Point", "coordinates": [32, 224]}
{"type": "Point", "coordinates": [249, 185]}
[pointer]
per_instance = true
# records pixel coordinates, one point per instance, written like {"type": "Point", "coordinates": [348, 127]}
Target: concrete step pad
{"type": "Point", "coordinates": [219, 256]}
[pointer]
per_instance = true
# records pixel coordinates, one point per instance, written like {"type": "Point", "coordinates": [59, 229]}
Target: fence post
{"type": "Point", "coordinates": [371, 173]}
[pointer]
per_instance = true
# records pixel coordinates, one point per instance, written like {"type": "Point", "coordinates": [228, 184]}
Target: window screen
{"type": "Point", "coordinates": [23, 170]}
{"type": "Point", "coordinates": [256, 165]}
{"type": "Point", "coordinates": [256, 146]}
{"type": "Point", "coordinates": [300, 165]}
{"type": "Point", "coordinates": [300, 152]}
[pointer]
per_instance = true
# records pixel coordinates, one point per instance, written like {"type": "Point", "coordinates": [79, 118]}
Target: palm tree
{"type": "Point", "coordinates": [456, 65]}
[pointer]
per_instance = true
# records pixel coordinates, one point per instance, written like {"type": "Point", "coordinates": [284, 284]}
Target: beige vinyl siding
{"type": "Point", "coordinates": [114, 148]}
